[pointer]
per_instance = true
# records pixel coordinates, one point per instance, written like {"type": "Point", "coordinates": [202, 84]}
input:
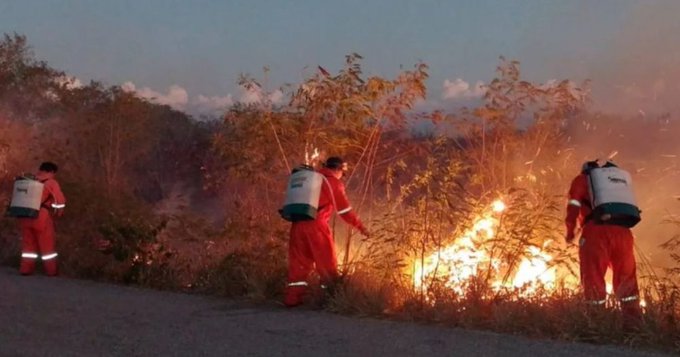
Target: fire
{"type": "Point", "coordinates": [535, 269]}
{"type": "Point", "coordinates": [498, 206]}
{"type": "Point", "coordinates": [466, 257]}
{"type": "Point", "coordinates": [311, 158]}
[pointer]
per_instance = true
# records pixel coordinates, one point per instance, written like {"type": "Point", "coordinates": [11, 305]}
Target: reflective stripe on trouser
{"type": "Point", "coordinates": [605, 245]}
{"type": "Point", "coordinates": [298, 283]}
{"type": "Point", "coordinates": [629, 298]}
{"type": "Point", "coordinates": [310, 247]}
{"type": "Point", "coordinates": [40, 239]}
{"type": "Point", "coordinates": [576, 203]}
{"type": "Point", "coordinates": [49, 256]}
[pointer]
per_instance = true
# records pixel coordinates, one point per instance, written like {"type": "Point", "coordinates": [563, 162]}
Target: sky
{"type": "Point", "coordinates": [189, 54]}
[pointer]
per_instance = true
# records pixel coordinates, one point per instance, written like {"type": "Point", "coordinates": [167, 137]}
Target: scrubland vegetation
{"type": "Point", "coordinates": [158, 198]}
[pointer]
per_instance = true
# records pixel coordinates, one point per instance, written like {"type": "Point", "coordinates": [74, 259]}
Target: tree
{"type": "Point", "coordinates": [343, 115]}
{"type": "Point", "coordinates": [27, 87]}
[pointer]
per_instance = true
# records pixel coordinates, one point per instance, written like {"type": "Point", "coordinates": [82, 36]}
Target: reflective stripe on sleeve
{"type": "Point", "coordinates": [575, 203]}
{"type": "Point", "coordinates": [29, 255]}
{"type": "Point", "coordinates": [49, 256]}
{"type": "Point", "coordinates": [298, 283]}
{"type": "Point", "coordinates": [597, 302]}
{"type": "Point", "coordinates": [345, 210]}
{"type": "Point", "coordinates": [58, 206]}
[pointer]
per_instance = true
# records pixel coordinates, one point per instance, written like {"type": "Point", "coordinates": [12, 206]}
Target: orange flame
{"type": "Point", "coordinates": [457, 263]}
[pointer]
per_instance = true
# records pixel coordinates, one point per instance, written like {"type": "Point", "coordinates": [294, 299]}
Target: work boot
{"type": "Point", "coordinates": [27, 267]}
{"type": "Point", "coordinates": [329, 290]}
{"type": "Point", "coordinates": [632, 316]}
{"type": "Point", "coordinates": [50, 267]}
{"type": "Point", "coordinates": [294, 296]}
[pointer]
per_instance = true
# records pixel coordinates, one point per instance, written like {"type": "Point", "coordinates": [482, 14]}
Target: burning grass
{"type": "Point", "coordinates": [556, 313]}
{"type": "Point", "coordinates": [468, 231]}
{"type": "Point", "coordinates": [473, 252]}
{"type": "Point", "coordinates": [490, 271]}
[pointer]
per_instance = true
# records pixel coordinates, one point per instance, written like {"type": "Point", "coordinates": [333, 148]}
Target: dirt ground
{"type": "Point", "coordinates": [42, 316]}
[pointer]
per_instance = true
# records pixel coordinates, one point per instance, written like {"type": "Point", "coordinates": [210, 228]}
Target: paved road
{"type": "Point", "coordinates": [42, 316]}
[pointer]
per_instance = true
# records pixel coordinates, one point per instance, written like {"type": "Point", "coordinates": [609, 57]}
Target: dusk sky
{"type": "Point", "coordinates": [189, 54]}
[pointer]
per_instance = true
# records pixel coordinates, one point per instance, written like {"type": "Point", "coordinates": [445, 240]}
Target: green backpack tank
{"type": "Point", "coordinates": [302, 195]}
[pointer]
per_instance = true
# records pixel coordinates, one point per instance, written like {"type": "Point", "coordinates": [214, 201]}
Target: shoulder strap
{"type": "Point", "coordinates": [44, 203]}
{"type": "Point", "coordinates": [330, 188]}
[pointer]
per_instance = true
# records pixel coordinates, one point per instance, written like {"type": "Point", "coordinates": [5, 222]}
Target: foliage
{"type": "Point", "coordinates": [133, 240]}
{"type": "Point", "coordinates": [251, 263]}
{"type": "Point", "coordinates": [27, 86]}
{"type": "Point", "coordinates": [117, 155]}
{"type": "Point", "coordinates": [159, 199]}
{"type": "Point", "coordinates": [483, 161]}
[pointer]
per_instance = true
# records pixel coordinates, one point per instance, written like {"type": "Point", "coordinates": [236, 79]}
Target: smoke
{"type": "Point", "coordinates": [636, 83]}
{"type": "Point", "coordinates": [646, 147]}
{"type": "Point", "coordinates": [639, 69]}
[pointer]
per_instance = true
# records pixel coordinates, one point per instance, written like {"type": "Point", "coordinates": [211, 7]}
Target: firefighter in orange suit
{"type": "Point", "coordinates": [38, 233]}
{"type": "Point", "coordinates": [602, 246]}
{"type": "Point", "coordinates": [311, 242]}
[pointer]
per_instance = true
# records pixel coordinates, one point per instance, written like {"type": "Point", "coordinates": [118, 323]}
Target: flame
{"type": "Point", "coordinates": [310, 159]}
{"type": "Point", "coordinates": [498, 206]}
{"type": "Point", "coordinates": [534, 269]}
{"type": "Point", "coordinates": [457, 263]}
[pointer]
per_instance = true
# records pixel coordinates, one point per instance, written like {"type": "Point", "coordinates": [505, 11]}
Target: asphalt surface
{"type": "Point", "coordinates": [42, 316]}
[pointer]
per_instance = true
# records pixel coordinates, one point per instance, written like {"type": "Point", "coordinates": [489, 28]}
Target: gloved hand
{"type": "Point", "coordinates": [573, 213]}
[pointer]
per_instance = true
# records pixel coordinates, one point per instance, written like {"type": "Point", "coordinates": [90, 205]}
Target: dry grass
{"type": "Point", "coordinates": [423, 194]}
{"type": "Point", "coordinates": [559, 314]}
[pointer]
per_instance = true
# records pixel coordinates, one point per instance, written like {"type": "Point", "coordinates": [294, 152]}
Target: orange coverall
{"type": "Point", "coordinates": [602, 246]}
{"type": "Point", "coordinates": [38, 233]}
{"type": "Point", "coordinates": [311, 243]}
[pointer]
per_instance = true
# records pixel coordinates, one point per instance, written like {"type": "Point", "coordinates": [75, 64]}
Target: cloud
{"type": "Point", "coordinates": [255, 95]}
{"type": "Point", "coordinates": [65, 81]}
{"type": "Point", "coordinates": [69, 82]}
{"type": "Point", "coordinates": [459, 88]}
{"type": "Point", "coordinates": [128, 86]}
{"type": "Point", "coordinates": [213, 103]}
{"type": "Point", "coordinates": [251, 96]}
{"type": "Point", "coordinates": [176, 96]}
{"type": "Point", "coordinates": [276, 97]}
{"type": "Point", "coordinates": [571, 86]}
{"type": "Point", "coordinates": [550, 83]}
